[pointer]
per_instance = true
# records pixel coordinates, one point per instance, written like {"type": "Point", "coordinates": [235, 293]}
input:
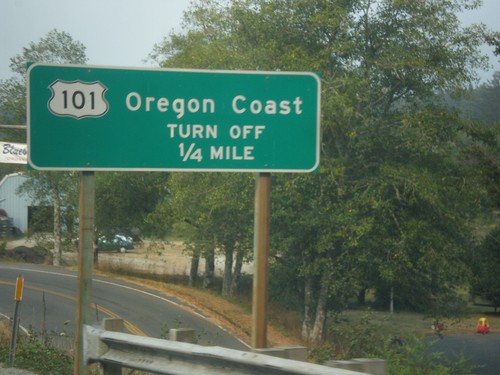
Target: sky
{"type": "Point", "coordinates": [114, 32]}
{"type": "Point", "coordinates": [124, 32]}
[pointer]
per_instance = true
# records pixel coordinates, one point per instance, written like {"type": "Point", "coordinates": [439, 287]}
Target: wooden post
{"type": "Point", "coordinates": [261, 255]}
{"type": "Point", "coordinates": [85, 262]}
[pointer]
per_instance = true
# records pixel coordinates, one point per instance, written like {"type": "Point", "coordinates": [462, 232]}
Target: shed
{"type": "Point", "coordinates": [15, 205]}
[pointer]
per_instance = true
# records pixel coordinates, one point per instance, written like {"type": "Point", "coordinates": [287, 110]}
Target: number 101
{"type": "Point", "coordinates": [78, 99]}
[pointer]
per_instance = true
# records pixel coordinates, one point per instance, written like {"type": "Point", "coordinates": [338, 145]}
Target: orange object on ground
{"type": "Point", "coordinates": [483, 326]}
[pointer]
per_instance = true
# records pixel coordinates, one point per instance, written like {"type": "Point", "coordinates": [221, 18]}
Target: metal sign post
{"type": "Point", "coordinates": [261, 255]}
{"type": "Point", "coordinates": [85, 264]}
{"type": "Point", "coordinates": [90, 118]}
{"type": "Point", "coordinates": [15, 324]}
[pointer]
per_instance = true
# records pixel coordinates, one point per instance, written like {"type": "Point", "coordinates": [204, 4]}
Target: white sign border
{"type": "Point", "coordinates": [180, 70]}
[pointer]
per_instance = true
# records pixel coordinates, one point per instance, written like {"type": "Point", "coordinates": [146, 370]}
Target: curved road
{"type": "Point", "coordinates": [481, 351]}
{"type": "Point", "coordinates": [152, 313]}
{"type": "Point", "coordinates": [49, 301]}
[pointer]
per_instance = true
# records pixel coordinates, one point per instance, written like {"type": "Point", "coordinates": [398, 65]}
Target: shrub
{"type": "Point", "coordinates": [3, 248]}
{"type": "Point", "coordinates": [415, 357]}
{"type": "Point", "coordinates": [32, 354]}
{"type": "Point", "coordinates": [405, 356]}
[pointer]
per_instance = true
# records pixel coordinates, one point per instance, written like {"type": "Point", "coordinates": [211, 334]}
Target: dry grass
{"type": "Point", "coordinates": [5, 333]}
{"type": "Point", "coordinates": [405, 323]}
{"type": "Point", "coordinates": [284, 327]}
{"type": "Point", "coordinates": [236, 316]}
{"type": "Point", "coordinates": [233, 314]}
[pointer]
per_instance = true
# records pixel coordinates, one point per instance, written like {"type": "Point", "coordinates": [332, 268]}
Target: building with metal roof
{"type": "Point", "coordinates": [14, 206]}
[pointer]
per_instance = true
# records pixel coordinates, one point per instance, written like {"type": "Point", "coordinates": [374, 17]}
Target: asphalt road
{"type": "Point", "coordinates": [482, 351]}
{"type": "Point", "coordinates": [49, 301]}
{"type": "Point", "coordinates": [50, 294]}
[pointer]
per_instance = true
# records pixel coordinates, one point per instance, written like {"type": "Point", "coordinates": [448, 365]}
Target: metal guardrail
{"type": "Point", "coordinates": [116, 350]}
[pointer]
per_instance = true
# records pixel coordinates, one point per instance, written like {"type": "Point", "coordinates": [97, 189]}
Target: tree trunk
{"type": "Point", "coordinates": [227, 278]}
{"type": "Point", "coordinates": [362, 297]}
{"type": "Point", "coordinates": [238, 265]}
{"type": "Point", "coordinates": [208, 278]}
{"type": "Point", "coordinates": [57, 227]}
{"type": "Point", "coordinates": [308, 299]}
{"type": "Point", "coordinates": [321, 311]}
{"type": "Point", "coordinates": [193, 272]}
{"type": "Point", "coordinates": [391, 303]}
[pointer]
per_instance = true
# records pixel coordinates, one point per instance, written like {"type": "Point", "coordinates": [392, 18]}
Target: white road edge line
{"type": "Point", "coordinates": [130, 288]}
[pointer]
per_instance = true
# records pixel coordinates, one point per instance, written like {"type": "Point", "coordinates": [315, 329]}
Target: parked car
{"type": "Point", "coordinates": [116, 242]}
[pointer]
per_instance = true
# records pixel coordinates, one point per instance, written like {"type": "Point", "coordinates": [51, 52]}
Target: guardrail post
{"type": "Point", "coordinates": [182, 335]}
{"type": "Point", "coordinates": [297, 353]}
{"type": "Point", "coordinates": [115, 325]}
{"type": "Point", "coordinates": [112, 324]}
{"type": "Point", "coordinates": [372, 366]}
{"type": "Point", "coordinates": [166, 357]}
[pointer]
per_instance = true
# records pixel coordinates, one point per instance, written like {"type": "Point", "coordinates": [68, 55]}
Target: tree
{"type": "Point", "coordinates": [55, 47]}
{"type": "Point", "coordinates": [393, 187]}
{"type": "Point", "coordinates": [125, 201]}
{"type": "Point", "coordinates": [487, 262]}
{"type": "Point", "coordinates": [60, 191]}
{"type": "Point", "coordinates": [483, 150]}
{"type": "Point", "coordinates": [218, 207]}
{"type": "Point", "coordinates": [482, 103]}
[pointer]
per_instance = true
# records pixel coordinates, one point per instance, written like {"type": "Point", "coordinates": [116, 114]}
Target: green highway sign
{"type": "Point", "coordinates": [100, 118]}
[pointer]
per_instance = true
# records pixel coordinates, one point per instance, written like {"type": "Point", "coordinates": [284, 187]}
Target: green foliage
{"type": "Point", "coordinates": [359, 339]}
{"type": "Point", "coordinates": [283, 273]}
{"type": "Point", "coordinates": [362, 338]}
{"type": "Point", "coordinates": [44, 188]}
{"type": "Point", "coordinates": [13, 107]}
{"type": "Point", "coordinates": [396, 196]}
{"type": "Point", "coordinates": [487, 262]}
{"type": "Point", "coordinates": [217, 206]}
{"type": "Point", "coordinates": [415, 357]}
{"type": "Point", "coordinates": [32, 354]}
{"type": "Point", "coordinates": [126, 200]}
{"type": "Point", "coordinates": [482, 104]}
{"type": "Point", "coordinates": [55, 47]}
{"type": "Point", "coordinates": [43, 359]}
{"type": "Point", "coordinates": [219, 209]}
{"type": "Point", "coordinates": [483, 142]}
